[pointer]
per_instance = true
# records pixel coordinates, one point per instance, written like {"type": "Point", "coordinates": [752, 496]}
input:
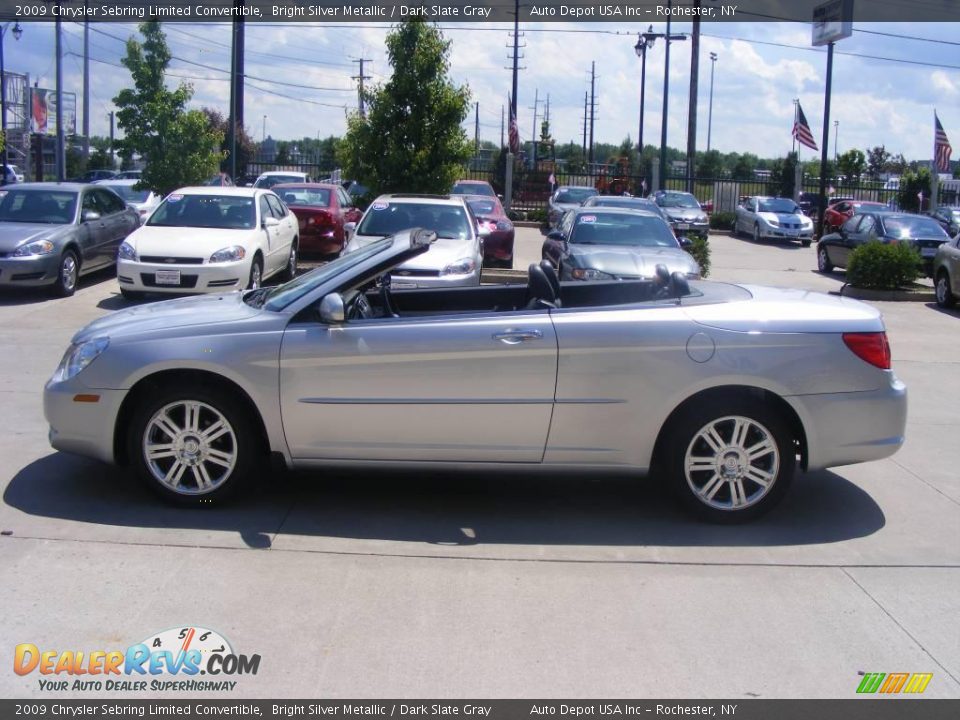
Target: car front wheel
{"type": "Point", "coordinates": [945, 296]}
{"type": "Point", "coordinates": [823, 260]}
{"type": "Point", "coordinates": [67, 274]}
{"type": "Point", "coordinates": [193, 446]}
{"type": "Point", "coordinates": [256, 274]}
{"type": "Point", "coordinates": [756, 233]}
{"type": "Point", "coordinates": [290, 271]}
{"type": "Point", "coordinates": [730, 462]}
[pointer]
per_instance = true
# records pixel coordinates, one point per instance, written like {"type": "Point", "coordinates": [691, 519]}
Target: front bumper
{"type": "Point", "coordinates": [29, 271]}
{"type": "Point", "coordinates": [83, 428]}
{"type": "Point", "coordinates": [219, 277]}
{"type": "Point", "coordinates": [429, 279]}
{"type": "Point", "coordinates": [786, 233]}
{"type": "Point", "coordinates": [853, 427]}
{"type": "Point", "coordinates": [685, 227]}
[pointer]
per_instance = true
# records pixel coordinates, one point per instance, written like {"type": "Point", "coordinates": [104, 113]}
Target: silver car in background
{"type": "Point", "coordinates": [566, 198]}
{"type": "Point", "coordinates": [765, 218]}
{"type": "Point", "coordinates": [718, 390]}
{"type": "Point", "coordinates": [143, 201]}
{"type": "Point", "coordinates": [454, 260]}
{"type": "Point", "coordinates": [52, 233]}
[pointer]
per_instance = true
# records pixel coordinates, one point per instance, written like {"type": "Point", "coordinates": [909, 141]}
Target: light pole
{"type": "Point", "coordinates": [650, 37]}
{"type": "Point", "coordinates": [17, 32]}
{"type": "Point", "coordinates": [836, 130]}
{"type": "Point", "coordinates": [713, 64]}
{"type": "Point", "coordinates": [264, 128]}
{"type": "Point", "coordinates": [645, 41]}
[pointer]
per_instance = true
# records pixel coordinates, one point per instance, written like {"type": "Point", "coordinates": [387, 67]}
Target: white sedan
{"type": "Point", "coordinates": [765, 218]}
{"type": "Point", "coordinates": [210, 239]}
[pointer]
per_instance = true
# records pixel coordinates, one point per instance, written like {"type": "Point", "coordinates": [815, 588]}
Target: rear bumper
{"type": "Point", "coordinates": [855, 427]}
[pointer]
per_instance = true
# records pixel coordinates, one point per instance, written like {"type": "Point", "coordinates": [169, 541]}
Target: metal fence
{"type": "Point", "coordinates": [532, 189]}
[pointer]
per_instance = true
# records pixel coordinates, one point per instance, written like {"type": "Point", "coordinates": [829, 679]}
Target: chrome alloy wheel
{"type": "Point", "coordinates": [68, 272]}
{"type": "Point", "coordinates": [731, 463]}
{"type": "Point", "coordinates": [190, 447]}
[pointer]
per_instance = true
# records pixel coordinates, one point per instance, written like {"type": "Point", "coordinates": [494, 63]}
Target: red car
{"type": "Point", "coordinates": [841, 211]}
{"type": "Point", "coordinates": [322, 210]}
{"type": "Point", "coordinates": [495, 229]}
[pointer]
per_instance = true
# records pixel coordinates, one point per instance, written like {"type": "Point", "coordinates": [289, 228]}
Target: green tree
{"type": "Point", "coordinates": [877, 159]}
{"type": "Point", "coordinates": [283, 154]}
{"type": "Point", "coordinates": [710, 164]}
{"type": "Point", "coordinates": [897, 164]}
{"type": "Point", "coordinates": [783, 176]}
{"type": "Point", "coordinates": [744, 166]}
{"type": "Point", "coordinates": [412, 138]}
{"type": "Point", "coordinates": [178, 146]}
{"type": "Point", "coordinates": [246, 147]}
{"type": "Point", "coordinates": [912, 183]}
{"type": "Point", "coordinates": [852, 165]}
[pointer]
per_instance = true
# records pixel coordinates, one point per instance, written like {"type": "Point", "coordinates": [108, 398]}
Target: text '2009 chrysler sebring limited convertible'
{"type": "Point", "coordinates": [717, 389]}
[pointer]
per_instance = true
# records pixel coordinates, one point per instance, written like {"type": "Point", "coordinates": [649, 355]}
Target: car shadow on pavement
{"type": "Point", "coordinates": [463, 508]}
{"type": "Point", "coordinates": [33, 295]}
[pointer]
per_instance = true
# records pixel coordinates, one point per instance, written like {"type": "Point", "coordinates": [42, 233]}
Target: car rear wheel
{"type": "Point", "coordinates": [256, 274]}
{"type": "Point", "coordinates": [193, 446]}
{"type": "Point", "coordinates": [823, 260]}
{"type": "Point", "coordinates": [730, 462]}
{"type": "Point", "coordinates": [945, 296]}
{"type": "Point", "coordinates": [68, 272]}
{"type": "Point", "coordinates": [805, 243]}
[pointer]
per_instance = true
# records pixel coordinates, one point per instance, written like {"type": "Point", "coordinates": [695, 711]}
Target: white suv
{"type": "Point", "coordinates": [454, 260]}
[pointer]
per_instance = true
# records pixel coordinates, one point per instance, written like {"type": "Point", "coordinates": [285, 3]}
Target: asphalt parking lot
{"type": "Point", "coordinates": [434, 585]}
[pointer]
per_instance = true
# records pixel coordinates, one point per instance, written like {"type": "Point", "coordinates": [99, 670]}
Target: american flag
{"type": "Point", "coordinates": [801, 130]}
{"type": "Point", "coordinates": [514, 131]}
{"type": "Point", "coordinates": [941, 146]}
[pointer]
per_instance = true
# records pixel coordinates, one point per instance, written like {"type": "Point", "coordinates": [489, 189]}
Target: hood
{"type": "Point", "coordinates": [789, 311]}
{"type": "Point", "coordinates": [186, 241]}
{"type": "Point", "coordinates": [681, 213]}
{"type": "Point", "coordinates": [785, 218]}
{"type": "Point", "coordinates": [12, 235]}
{"type": "Point", "coordinates": [441, 253]}
{"type": "Point", "coordinates": [632, 261]}
{"type": "Point", "coordinates": [211, 310]}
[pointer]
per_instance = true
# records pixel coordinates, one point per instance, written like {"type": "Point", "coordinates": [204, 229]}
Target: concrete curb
{"type": "Point", "coordinates": [914, 295]}
{"type": "Point", "coordinates": [527, 224]}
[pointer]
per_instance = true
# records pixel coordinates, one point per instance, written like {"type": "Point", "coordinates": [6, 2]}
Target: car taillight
{"type": "Point", "coordinates": [870, 347]}
{"type": "Point", "coordinates": [320, 217]}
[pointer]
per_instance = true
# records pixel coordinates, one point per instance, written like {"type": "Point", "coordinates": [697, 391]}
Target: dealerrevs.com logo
{"type": "Point", "coordinates": [177, 660]}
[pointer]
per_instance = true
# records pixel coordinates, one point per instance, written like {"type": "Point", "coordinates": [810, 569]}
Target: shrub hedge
{"type": "Point", "coordinates": [722, 221]}
{"type": "Point", "coordinates": [883, 266]}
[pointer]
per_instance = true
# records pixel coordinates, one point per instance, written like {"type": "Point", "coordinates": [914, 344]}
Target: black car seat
{"type": "Point", "coordinates": [551, 273]}
{"type": "Point", "coordinates": [540, 292]}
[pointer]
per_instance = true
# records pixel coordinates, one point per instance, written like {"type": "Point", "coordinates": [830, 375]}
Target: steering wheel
{"type": "Point", "coordinates": [359, 308]}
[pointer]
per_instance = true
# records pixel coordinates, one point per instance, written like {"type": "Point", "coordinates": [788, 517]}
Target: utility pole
{"type": "Point", "coordinates": [593, 105]}
{"type": "Point", "coordinates": [86, 87]}
{"type": "Point", "coordinates": [361, 106]}
{"type": "Point", "coordinates": [61, 160]}
{"type": "Point", "coordinates": [533, 136]}
{"type": "Point", "coordinates": [110, 115]}
{"type": "Point", "coordinates": [501, 126]}
{"type": "Point", "coordinates": [584, 124]}
{"type": "Point", "coordinates": [476, 130]}
{"type": "Point", "coordinates": [236, 87]}
{"type": "Point", "coordinates": [836, 132]}
{"type": "Point", "coordinates": [516, 55]}
{"type": "Point", "coordinates": [713, 64]}
{"type": "Point", "coordinates": [692, 105]}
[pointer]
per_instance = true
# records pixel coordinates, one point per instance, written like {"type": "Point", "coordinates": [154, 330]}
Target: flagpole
{"type": "Point", "coordinates": [796, 104]}
{"type": "Point", "coordinates": [935, 169]}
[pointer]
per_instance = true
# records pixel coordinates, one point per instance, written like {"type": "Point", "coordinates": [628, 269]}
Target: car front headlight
{"type": "Point", "coordinates": [78, 356]}
{"type": "Point", "coordinates": [590, 274]}
{"type": "Point", "coordinates": [460, 267]}
{"type": "Point", "coordinates": [229, 254]}
{"type": "Point", "coordinates": [39, 247]}
{"type": "Point", "coordinates": [126, 251]}
{"type": "Point", "coordinates": [772, 222]}
{"type": "Point", "coordinates": [702, 218]}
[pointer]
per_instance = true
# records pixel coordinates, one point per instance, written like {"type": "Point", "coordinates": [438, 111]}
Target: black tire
{"type": "Point", "coordinates": [756, 233]}
{"type": "Point", "coordinates": [66, 283]}
{"type": "Point", "coordinates": [241, 441]}
{"type": "Point", "coordinates": [290, 271]}
{"type": "Point", "coordinates": [763, 424]}
{"type": "Point", "coordinates": [131, 295]}
{"type": "Point", "coordinates": [945, 296]}
{"type": "Point", "coordinates": [256, 274]}
{"type": "Point", "coordinates": [805, 243]}
{"type": "Point", "coordinates": [823, 259]}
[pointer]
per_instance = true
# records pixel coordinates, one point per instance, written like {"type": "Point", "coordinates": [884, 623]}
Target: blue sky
{"type": "Point", "coordinates": [761, 68]}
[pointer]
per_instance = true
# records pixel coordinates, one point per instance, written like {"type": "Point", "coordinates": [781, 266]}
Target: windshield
{"type": "Point", "coordinates": [485, 208]}
{"type": "Point", "coordinates": [622, 229]}
{"type": "Point", "coordinates": [574, 195]}
{"type": "Point", "coordinates": [629, 203]}
{"type": "Point", "coordinates": [473, 189]}
{"type": "Point", "coordinates": [385, 218]}
{"type": "Point", "coordinates": [678, 200]}
{"type": "Point", "coordinates": [129, 194]}
{"type": "Point", "coordinates": [268, 181]}
{"type": "Point", "coordinates": [206, 211]}
{"type": "Point", "coordinates": [779, 205]}
{"type": "Point", "coordinates": [907, 226]}
{"type": "Point", "coordinates": [279, 297]}
{"type": "Point", "coordinates": [311, 197]}
{"type": "Point", "coordinates": [38, 206]}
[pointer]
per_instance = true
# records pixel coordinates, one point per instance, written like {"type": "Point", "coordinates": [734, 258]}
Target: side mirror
{"type": "Point", "coordinates": [555, 235]}
{"type": "Point", "coordinates": [89, 215]}
{"type": "Point", "coordinates": [269, 222]}
{"type": "Point", "coordinates": [685, 242]}
{"type": "Point", "coordinates": [332, 311]}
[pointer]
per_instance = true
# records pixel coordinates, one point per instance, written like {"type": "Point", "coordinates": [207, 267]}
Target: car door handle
{"type": "Point", "coordinates": [515, 337]}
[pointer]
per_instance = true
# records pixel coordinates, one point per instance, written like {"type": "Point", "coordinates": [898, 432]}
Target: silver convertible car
{"type": "Point", "coordinates": [717, 389]}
